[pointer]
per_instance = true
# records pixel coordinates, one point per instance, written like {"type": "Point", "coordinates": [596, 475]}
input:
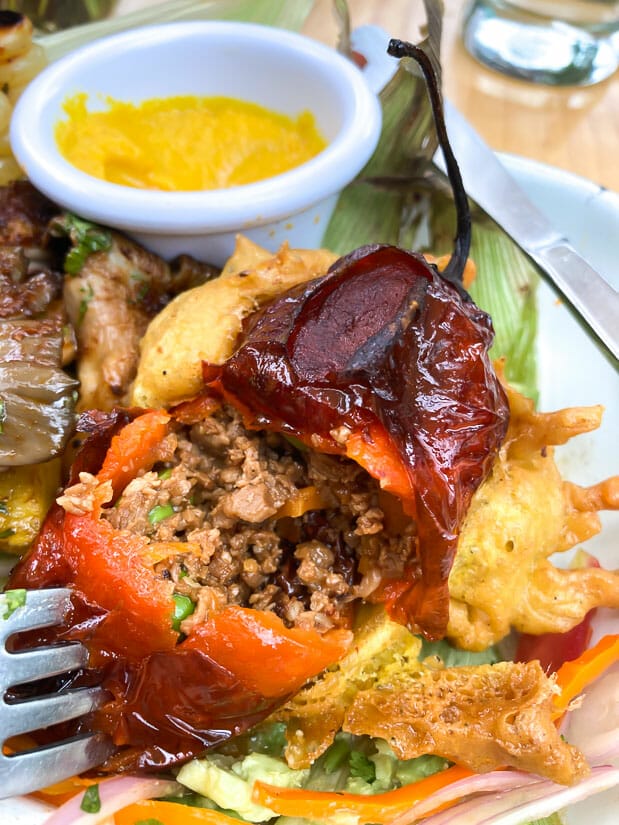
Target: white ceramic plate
{"type": "Point", "coordinates": [572, 372]}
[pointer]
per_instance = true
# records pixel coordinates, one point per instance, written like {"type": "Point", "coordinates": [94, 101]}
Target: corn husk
{"type": "Point", "coordinates": [401, 198]}
{"type": "Point", "coordinates": [282, 13]}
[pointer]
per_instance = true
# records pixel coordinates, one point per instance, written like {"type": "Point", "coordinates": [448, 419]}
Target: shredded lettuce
{"type": "Point", "coordinates": [452, 657]}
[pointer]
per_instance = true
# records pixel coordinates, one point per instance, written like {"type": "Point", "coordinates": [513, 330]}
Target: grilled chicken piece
{"type": "Point", "coordinates": [110, 302]}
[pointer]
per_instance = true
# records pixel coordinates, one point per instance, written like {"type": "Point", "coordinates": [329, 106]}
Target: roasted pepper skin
{"type": "Point", "coordinates": [392, 358]}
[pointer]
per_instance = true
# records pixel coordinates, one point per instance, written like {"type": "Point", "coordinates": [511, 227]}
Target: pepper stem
{"type": "Point", "coordinates": [462, 242]}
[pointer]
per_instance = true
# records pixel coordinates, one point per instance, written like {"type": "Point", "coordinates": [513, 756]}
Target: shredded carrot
{"type": "Point", "coordinates": [170, 813]}
{"type": "Point", "coordinates": [307, 498]}
{"type": "Point", "coordinates": [376, 808]}
{"type": "Point", "coordinates": [574, 676]}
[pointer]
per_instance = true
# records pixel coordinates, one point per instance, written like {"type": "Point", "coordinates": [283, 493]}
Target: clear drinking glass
{"type": "Point", "coordinates": [557, 42]}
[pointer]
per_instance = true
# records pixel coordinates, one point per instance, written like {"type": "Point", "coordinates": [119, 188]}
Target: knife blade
{"type": "Point", "coordinates": [491, 186]}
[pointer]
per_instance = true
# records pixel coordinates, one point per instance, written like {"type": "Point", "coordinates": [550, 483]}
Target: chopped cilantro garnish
{"type": "Point", "coordinates": [91, 801]}
{"type": "Point", "coordinates": [361, 766]}
{"type": "Point", "coordinates": [86, 238]}
{"type": "Point", "coordinates": [160, 512]}
{"type": "Point", "coordinates": [13, 599]}
{"type": "Point", "coordinates": [183, 607]}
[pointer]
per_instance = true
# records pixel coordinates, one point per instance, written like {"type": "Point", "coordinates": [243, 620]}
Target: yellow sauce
{"type": "Point", "coordinates": [184, 143]}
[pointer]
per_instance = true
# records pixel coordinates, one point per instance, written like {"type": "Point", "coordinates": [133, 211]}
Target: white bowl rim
{"type": "Point", "coordinates": [211, 210]}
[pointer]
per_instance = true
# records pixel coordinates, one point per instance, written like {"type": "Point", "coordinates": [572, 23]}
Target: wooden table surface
{"type": "Point", "coordinates": [574, 128]}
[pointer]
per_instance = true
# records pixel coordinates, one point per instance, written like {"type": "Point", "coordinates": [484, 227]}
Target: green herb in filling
{"type": "Point", "coordinates": [159, 513]}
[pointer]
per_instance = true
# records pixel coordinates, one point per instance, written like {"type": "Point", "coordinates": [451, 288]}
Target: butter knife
{"type": "Point", "coordinates": [491, 186]}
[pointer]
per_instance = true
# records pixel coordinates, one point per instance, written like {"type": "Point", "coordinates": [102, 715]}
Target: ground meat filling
{"type": "Point", "coordinates": [217, 493]}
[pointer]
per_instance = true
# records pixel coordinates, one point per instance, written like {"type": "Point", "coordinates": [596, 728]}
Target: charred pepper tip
{"type": "Point", "coordinates": [462, 242]}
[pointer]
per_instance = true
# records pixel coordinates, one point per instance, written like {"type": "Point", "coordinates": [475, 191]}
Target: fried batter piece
{"type": "Point", "coordinates": [203, 324]}
{"type": "Point", "coordinates": [482, 717]}
{"type": "Point", "coordinates": [501, 577]}
{"type": "Point", "coordinates": [110, 303]}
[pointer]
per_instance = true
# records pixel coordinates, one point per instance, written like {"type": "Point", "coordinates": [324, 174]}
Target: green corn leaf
{"type": "Point", "coordinates": [281, 13]}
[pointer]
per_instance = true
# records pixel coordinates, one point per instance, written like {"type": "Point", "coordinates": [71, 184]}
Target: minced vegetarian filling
{"type": "Point", "coordinates": [220, 488]}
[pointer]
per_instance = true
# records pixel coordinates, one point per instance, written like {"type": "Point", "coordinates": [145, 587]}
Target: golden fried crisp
{"type": "Point", "coordinates": [203, 324]}
{"type": "Point", "coordinates": [315, 714]}
{"type": "Point", "coordinates": [523, 513]}
{"type": "Point", "coordinates": [482, 717]}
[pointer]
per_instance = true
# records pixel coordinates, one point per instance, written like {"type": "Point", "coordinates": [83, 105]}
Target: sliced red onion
{"type": "Point", "coordinates": [506, 798]}
{"type": "Point", "coordinates": [594, 726]}
{"type": "Point", "coordinates": [494, 782]}
{"type": "Point", "coordinates": [479, 785]}
{"type": "Point", "coordinates": [115, 794]}
{"type": "Point", "coordinates": [520, 805]}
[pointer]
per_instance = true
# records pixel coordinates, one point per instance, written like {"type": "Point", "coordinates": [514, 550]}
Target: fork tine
{"type": "Point", "coordinates": [42, 609]}
{"type": "Point", "coordinates": [30, 665]}
{"type": "Point", "coordinates": [30, 771]}
{"type": "Point", "coordinates": [41, 712]}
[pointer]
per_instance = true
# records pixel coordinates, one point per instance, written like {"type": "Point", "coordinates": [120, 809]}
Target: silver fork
{"type": "Point", "coordinates": [38, 768]}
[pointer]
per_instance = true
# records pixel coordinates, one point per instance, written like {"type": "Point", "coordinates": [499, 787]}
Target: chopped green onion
{"type": "Point", "coordinates": [2, 416]}
{"type": "Point", "coordinates": [165, 473]}
{"type": "Point", "coordinates": [183, 607]}
{"type": "Point", "coordinates": [5, 534]}
{"type": "Point", "coordinates": [150, 821]}
{"type": "Point", "coordinates": [91, 802]}
{"type": "Point", "coordinates": [160, 512]}
{"type": "Point", "coordinates": [13, 599]}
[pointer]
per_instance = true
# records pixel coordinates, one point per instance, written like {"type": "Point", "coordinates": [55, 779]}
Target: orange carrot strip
{"type": "Point", "coordinates": [170, 813]}
{"type": "Point", "coordinates": [376, 808]}
{"type": "Point", "coordinates": [574, 676]}
{"type": "Point", "coordinates": [307, 498]}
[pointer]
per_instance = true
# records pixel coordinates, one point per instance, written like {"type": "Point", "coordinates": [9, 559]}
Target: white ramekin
{"type": "Point", "coordinates": [277, 69]}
